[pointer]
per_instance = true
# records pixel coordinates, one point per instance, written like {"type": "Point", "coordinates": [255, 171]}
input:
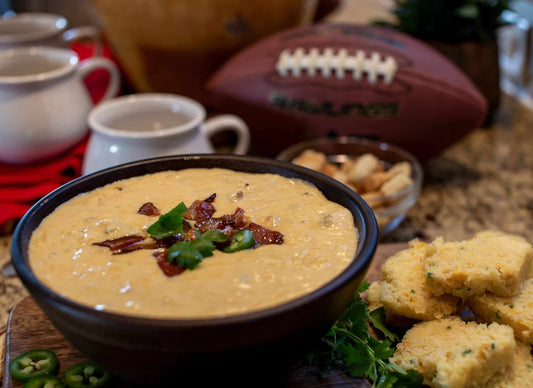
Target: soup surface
{"type": "Point", "coordinates": [319, 242]}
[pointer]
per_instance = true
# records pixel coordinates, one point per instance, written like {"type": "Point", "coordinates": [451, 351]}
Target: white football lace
{"type": "Point", "coordinates": [373, 66]}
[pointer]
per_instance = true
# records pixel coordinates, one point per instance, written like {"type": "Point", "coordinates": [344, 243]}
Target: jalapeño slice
{"type": "Point", "coordinates": [87, 374]}
{"type": "Point", "coordinates": [34, 363]}
{"type": "Point", "coordinates": [243, 239]}
{"type": "Point", "coordinates": [46, 381]}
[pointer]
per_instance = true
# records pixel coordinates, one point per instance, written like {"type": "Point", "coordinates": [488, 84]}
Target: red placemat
{"type": "Point", "coordinates": [23, 185]}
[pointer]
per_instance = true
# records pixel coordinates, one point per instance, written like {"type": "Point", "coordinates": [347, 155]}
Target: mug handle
{"type": "Point", "coordinates": [85, 32]}
{"type": "Point", "coordinates": [230, 122]}
{"type": "Point", "coordinates": [91, 64]}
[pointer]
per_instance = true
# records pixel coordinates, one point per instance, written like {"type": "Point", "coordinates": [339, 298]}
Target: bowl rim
{"type": "Point", "coordinates": [383, 146]}
{"type": "Point", "coordinates": [364, 252]}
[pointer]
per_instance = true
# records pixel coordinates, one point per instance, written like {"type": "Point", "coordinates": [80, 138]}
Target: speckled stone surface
{"type": "Point", "coordinates": [485, 181]}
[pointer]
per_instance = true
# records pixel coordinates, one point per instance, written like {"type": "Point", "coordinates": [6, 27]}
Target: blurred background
{"type": "Point", "coordinates": [187, 35]}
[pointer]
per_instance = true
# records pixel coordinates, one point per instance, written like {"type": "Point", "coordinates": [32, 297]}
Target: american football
{"type": "Point", "coordinates": [347, 80]}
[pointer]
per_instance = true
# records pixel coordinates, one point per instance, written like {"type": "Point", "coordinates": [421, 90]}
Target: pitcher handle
{"type": "Point", "coordinates": [86, 32]}
{"type": "Point", "coordinates": [230, 122]}
{"type": "Point", "coordinates": [91, 64]}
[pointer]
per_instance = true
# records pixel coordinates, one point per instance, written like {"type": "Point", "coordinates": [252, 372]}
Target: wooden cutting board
{"type": "Point", "coordinates": [29, 328]}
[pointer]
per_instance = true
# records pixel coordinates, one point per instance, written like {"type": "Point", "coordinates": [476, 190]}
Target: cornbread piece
{"type": "Point", "coordinates": [404, 290]}
{"type": "Point", "coordinates": [373, 296]}
{"type": "Point", "coordinates": [519, 374]}
{"type": "Point", "coordinates": [516, 311]}
{"type": "Point", "coordinates": [451, 353]}
{"type": "Point", "coordinates": [493, 262]}
{"type": "Point", "coordinates": [520, 240]}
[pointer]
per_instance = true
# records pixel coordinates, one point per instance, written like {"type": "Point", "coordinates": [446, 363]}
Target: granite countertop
{"type": "Point", "coordinates": [485, 181]}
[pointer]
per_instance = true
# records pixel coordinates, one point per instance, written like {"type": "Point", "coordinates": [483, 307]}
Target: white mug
{"type": "Point", "coordinates": [43, 29]}
{"type": "Point", "coordinates": [43, 101]}
{"type": "Point", "coordinates": [146, 125]}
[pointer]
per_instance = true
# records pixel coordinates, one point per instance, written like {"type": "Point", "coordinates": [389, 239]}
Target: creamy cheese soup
{"type": "Point", "coordinates": [319, 242]}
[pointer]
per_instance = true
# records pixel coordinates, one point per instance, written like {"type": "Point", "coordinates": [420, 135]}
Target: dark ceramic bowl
{"type": "Point", "coordinates": [149, 351]}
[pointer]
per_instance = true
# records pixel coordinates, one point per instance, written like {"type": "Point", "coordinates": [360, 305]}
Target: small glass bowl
{"type": "Point", "coordinates": [341, 149]}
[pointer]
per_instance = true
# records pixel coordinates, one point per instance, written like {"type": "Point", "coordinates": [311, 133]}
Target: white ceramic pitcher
{"type": "Point", "coordinates": [43, 29]}
{"type": "Point", "coordinates": [146, 125]}
{"type": "Point", "coordinates": [43, 101]}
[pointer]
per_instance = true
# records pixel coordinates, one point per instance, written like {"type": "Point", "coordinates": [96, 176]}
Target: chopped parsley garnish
{"type": "Point", "coordinates": [185, 255]}
{"type": "Point", "coordinates": [179, 246]}
{"type": "Point", "coordinates": [188, 254]}
{"type": "Point", "coordinates": [168, 224]}
{"type": "Point", "coordinates": [215, 236]}
{"type": "Point", "coordinates": [429, 275]}
{"type": "Point", "coordinates": [467, 351]}
{"type": "Point", "coordinates": [348, 344]}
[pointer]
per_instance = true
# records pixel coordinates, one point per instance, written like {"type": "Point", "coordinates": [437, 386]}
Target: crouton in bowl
{"type": "Point", "coordinates": [387, 177]}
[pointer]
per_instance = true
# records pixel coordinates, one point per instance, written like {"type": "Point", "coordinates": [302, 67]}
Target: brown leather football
{"type": "Point", "coordinates": [349, 80]}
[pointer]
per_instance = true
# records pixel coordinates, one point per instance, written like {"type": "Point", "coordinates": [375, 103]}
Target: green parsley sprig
{"type": "Point", "coordinates": [188, 254]}
{"type": "Point", "coordinates": [168, 224]}
{"type": "Point", "coordinates": [349, 345]}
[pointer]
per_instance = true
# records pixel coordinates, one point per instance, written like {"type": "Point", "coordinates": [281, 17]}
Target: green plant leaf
{"type": "Point", "coordinates": [354, 318]}
{"type": "Point", "coordinates": [215, 235]}
{"type": "Point", "coordinates": [184, 255]}
{"type": "Point", "coordinates": [378, 319]}
{"type": "Point", "coordinates": [450, 21]}
{"type": "Point", "coordinates": [204, 246]}
{"type": "Point", "coordinates": [382, 349]}
{"type": "Point", "coordinates": [411, 379]}
{"type": "Point", "coordinates": [169, 223]}
{"type": "Point", "coordinates": [357, 359]}
{"type": "Point", "coordinates": [349, 346]}
{"type": "Point", "coordinates": [469, 11]}
{"type": "Point", "coordinates": [363, 286]}
{"type": "Point", "coordinates": [189, 258]}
